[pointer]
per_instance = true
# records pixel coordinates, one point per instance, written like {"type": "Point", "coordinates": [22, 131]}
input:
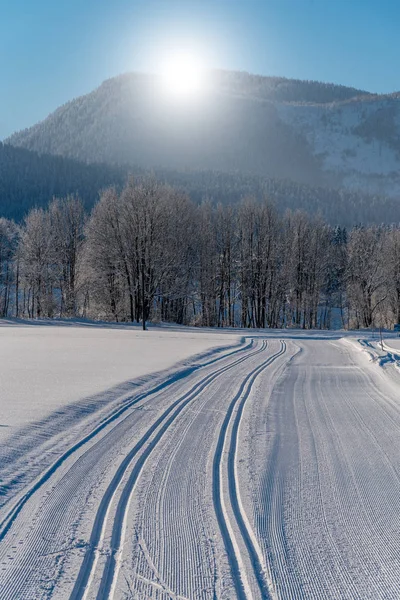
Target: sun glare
{"type": "Point", "coordinates": [183, 76]}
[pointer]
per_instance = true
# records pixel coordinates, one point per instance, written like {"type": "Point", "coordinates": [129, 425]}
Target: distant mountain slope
{"type": "Point", "coordinates": [309, 132]}
{"type": "Point", "coordinates": [28, 179]}
{"type": "Point", "coordinates": [359, 140]}
{"type": "Point", "coordinates": [336, 206]}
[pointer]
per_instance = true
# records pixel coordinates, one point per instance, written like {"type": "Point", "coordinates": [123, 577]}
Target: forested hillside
{"type": "Point", "coordinates": [337, 206]}
{"type": "Point", "coordinates": [311, 133]}
{"type": "Point", "coordinates": [30, 180]}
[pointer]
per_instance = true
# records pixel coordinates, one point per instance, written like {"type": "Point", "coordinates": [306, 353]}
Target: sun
{"type": "Point", "coordinates": [183, 76]}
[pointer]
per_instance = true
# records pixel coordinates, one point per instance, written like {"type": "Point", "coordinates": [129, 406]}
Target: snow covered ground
{"type": "Point", "coordinates": [394, 343]}
{"type": "Point", "coordinates": [268, 470]}
{"type": "Point", "coordinates": [58, 381]}
{"type": "Point", "coordinates": [44, 368]}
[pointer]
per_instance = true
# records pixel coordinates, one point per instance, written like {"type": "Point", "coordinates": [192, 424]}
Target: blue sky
{"type": "Point", "coordinates": [54, 50]}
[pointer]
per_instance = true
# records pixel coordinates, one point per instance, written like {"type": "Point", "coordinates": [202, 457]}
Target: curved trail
{"type": "Point", "coordinates": [166, 419]}
{"type": "Point", "coordinates": [269, 473]}
{"type": "Point", "coordinates": [180, 539]}
{"type": "Point", "coordinates": [60, 502]}
{"type": "Point", "coordinates": [12, 514]}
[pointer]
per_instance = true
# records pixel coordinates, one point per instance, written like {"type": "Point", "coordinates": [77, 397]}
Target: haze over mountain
{"type": "Point", "coordinates": [308, 132]}
{"type": "Point", "coordinates": [29, 179]}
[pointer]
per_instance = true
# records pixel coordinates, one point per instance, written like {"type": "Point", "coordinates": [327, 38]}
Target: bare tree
{"type": "Point", "coordinates": [366, 275]}
{"type": "Point", "coordinates": [67, 218]}
{"type": "Point", "coordinates": [38, 269]}
{"type": "Point", "coordinates": [104, 269]}
{"type": "Point", "coordinates": [391, 259]}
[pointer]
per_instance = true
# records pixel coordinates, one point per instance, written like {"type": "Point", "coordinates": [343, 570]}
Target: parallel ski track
{"type": "Point", "coordinates": [11, 516]}
{"type": "Point", "coordinates": [241, 519]}
{"type": "Point", "coordinates": [163, 423]}
{"type": "Point", "coordinates": [172, 525]}
{"type": "Point", "coordinates": [175, 544]}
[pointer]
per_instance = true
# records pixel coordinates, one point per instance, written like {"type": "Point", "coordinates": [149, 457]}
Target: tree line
{"type": "Point", "coordinates": [288, 90]}
{"type": "Point", "coordinates": [148, 252]}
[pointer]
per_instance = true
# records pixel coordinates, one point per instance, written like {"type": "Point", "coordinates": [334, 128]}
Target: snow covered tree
{"type": "Point", "coordinates": [38, 268]}
{"type": "Point", "coordinates": [8, 249]}
{"type": "Point", "coordinates": [67, 218]}
{"type": "Point", "coordinates": [366, 275]}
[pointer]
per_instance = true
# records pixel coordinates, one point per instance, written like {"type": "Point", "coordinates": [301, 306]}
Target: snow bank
{"type": "Point", "coordinates": [385, 354]}
{"type": "Point", "coordinates": [394, 344]}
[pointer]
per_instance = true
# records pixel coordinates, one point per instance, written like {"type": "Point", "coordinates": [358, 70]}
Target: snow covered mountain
{"type": "Point", "coordinates": [357, 140]}
{"type": "Point", "coordinates": [309, 132]}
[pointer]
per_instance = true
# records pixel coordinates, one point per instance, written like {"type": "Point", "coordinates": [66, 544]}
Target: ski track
{"type": "Point", "coordinates": [234, 493]}
{"type": "Point", "coordinates": [127, 404]}
{"type": "Point", "coordinates": [110, 573]}
{"type": "Point", "coordinates": [78, 469]}
{"type": "Point", "coordinates": [56, 497]}
{"type": "Point", "coordinates": [271, 472]}
{"type": "Point", "coordinates": [174, 500]}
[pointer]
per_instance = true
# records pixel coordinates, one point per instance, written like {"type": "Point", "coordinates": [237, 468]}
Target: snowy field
{"type": "Point", "coordinates": [59, 365]}
{"type": "Point", "coordinates": [186, 465]}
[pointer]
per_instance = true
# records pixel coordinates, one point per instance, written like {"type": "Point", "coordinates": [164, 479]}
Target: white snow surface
{"type": "Point", "coordinates": [268, 470]}
{"type": "Point", "coordinates": [394, 343]}
{"type": "Point", "coordinates": [44, 367]}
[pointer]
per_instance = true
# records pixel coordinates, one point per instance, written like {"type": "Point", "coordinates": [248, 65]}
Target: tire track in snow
{"type": "Point", "coordinates": [241, 584]}
{"type": "Point", "coordinates": [86, 573]}
{"type": "Point", "coordinates": [12, 514]}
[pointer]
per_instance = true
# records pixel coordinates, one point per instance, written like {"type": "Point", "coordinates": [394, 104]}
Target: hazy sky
{"type": "Point", "coordinates": [54, 50]}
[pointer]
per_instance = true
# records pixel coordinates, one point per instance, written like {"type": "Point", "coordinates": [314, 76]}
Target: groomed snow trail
{"type": "Point", "coordinates": [160, 427]}
{"type": "Point", "coordinates": [325, 462]}
{"type": "Point", "coordinates": [271, 472]}
{"type": "Point", "coordinates": [67, 536]}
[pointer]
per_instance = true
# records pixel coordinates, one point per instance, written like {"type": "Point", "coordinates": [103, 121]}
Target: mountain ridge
{"type": "Point", "coordinates": [314, 133]}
